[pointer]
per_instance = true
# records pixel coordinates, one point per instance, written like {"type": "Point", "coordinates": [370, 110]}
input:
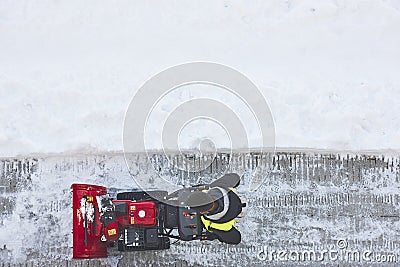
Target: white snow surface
{"type": "Point", "coordinates": [68, 69]}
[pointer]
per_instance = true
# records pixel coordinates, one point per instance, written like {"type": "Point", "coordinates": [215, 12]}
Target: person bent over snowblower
{"type": "Point", "coordinates": [219, 207]}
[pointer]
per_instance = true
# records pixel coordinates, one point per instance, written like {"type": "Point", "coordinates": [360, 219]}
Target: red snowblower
{"type": "Point", "coordinates": [135, 220]}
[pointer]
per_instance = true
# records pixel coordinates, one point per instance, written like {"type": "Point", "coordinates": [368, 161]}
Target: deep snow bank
{"type": "Point", "coordinates": [329, 69]}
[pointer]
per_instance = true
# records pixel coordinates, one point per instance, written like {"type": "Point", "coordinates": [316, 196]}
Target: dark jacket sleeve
{"type": "Point", "coordinates": [227, 181]}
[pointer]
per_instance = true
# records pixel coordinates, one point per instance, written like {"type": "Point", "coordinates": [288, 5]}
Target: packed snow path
{"type": "Point", "coordinates": [308, 203]}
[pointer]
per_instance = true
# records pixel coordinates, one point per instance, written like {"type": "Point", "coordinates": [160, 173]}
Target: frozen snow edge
{"type": "Point", "coordinates": [91, 152]}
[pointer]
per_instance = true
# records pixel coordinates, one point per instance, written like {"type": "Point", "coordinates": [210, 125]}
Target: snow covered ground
{"type": "Point", "coordinates": [329, 69]}
{"type": "Point", "coordinates": [345, 203]}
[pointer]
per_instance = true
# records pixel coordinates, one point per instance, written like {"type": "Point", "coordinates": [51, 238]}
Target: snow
{"type": "Point", "coordinates": [329, 69]}
{"type": "Point", "coordinates": [307, 199]}
{"type": "Point", "coordinates": [68, 70]}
